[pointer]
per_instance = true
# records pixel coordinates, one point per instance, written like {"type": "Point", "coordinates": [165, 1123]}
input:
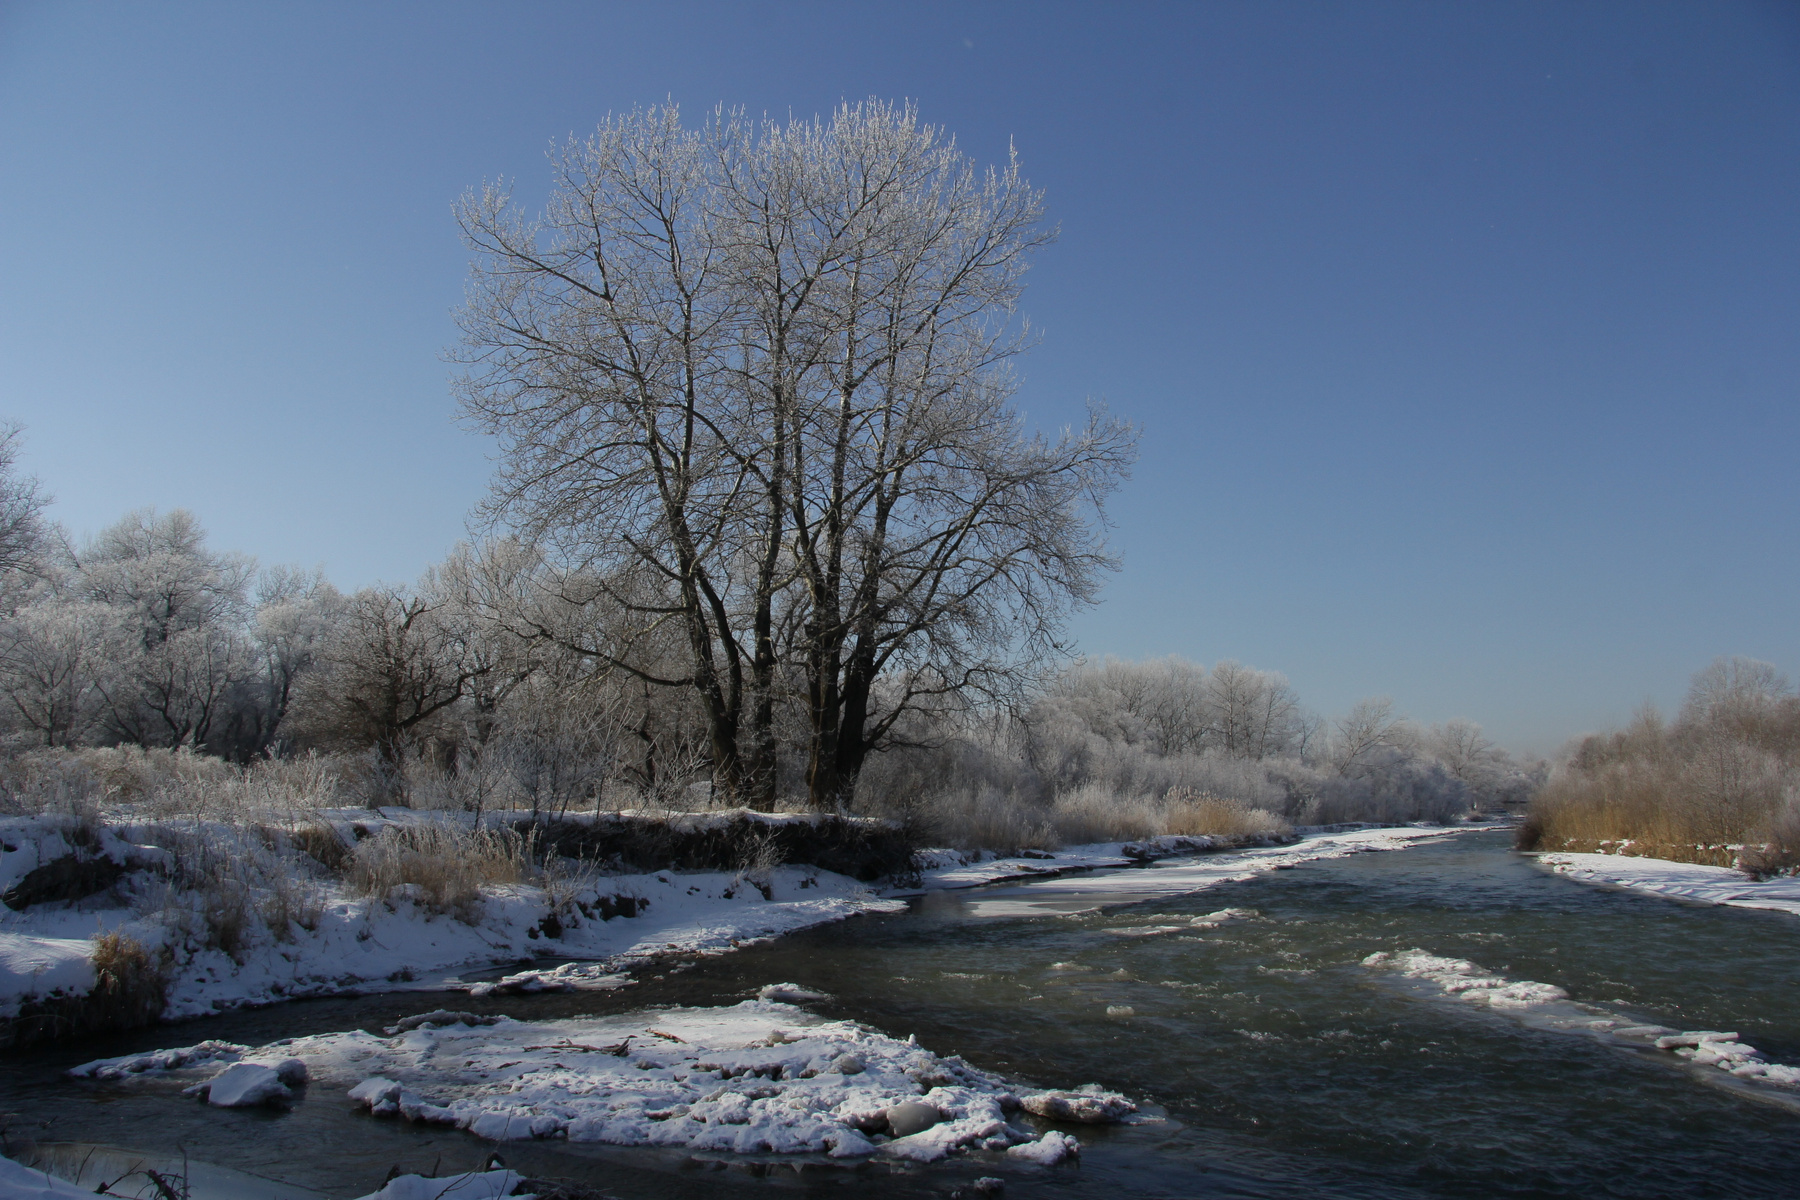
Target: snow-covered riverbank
{"type": "Point", "coordinates": [346, 943]}
{"type": "Point", "coordinates": [1678, 881]}
{"type": "Point", "coordinates": [609, 923]}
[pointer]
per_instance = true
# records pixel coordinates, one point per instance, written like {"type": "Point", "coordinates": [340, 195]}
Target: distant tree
{"type": "Point", "coordinates": [23, 531]}
{"type": "Point", "coordinates": [1252, 714]}
{"type": "Point", "coordinates": [295, 613]}
{"type": "Point", "coordinates": [1369, 726]}
{"type": "Point", "coordinates": [52, 660]}
{"type": "Point", "coordinates": [179, 612]}
{"type": "Point", "coordinates": [392, 663]}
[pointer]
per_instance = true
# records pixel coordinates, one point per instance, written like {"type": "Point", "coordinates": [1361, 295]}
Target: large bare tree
{"type": "Point", "coordinates": [751, 380]}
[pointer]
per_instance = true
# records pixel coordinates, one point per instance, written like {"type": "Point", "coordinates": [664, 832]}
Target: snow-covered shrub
{"type": "Point", "coordinates": [233, 887]}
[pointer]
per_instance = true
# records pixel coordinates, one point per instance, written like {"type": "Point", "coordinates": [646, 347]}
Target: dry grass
{"type": "Point", "coordinates": [1664, 800]}
{"type": "Point", "coordinates": [130, 984]}
{"type": "Point", "coordinates": [1096, 813]}
{"type": "Point", "coordinates": [1717, 786]}
{"type": "Point", "coordinates": [1191, 814]}
{"type": "Point", "coordinates": [443, 865]}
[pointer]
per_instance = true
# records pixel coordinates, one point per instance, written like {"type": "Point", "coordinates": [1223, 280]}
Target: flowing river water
{"type": "Point", "coordinates": [1279, 1065]}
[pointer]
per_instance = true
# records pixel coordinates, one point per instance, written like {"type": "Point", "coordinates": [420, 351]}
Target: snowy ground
{"type": "Point", "coordinates": [1679, 881]}
{"type": "Point", "coordinates": [764, 1076]}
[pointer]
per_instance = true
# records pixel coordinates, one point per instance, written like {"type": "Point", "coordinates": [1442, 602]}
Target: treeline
{"type": "Point", "coordinates": [145, 636]}
{"type": "Point", "coordinates": [469, 690]}
{"type": "Point", "coordinates": [1126, 749]}
{"type": "Point", "coordinates": [1718, 784]}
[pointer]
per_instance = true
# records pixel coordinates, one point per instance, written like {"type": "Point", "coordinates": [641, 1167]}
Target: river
{"type": "Point", "coordinates": [1278, 1064]}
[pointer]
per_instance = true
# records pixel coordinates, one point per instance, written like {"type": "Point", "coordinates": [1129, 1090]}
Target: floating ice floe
{"type": "Point", "coordinates": [757, 1077]}
{"type": "Point", "coordinates": [1709, 1048]}
{"type": "Point", "coordinates": [198, 1055]}
{"type": "Point", "coordinates": [791, 993]}
{"type": "Point", "coordinates": [1463, 979]}
{"type": "Point", "coordinates": [569, 977]}
{"type": "Point", "coordinates": [1703, 1047]}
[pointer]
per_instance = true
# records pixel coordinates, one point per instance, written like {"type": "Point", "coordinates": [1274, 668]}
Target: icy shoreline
{"type": "Point", "coordinates": [356, 944]}
{"type": "Point", "coordinates": [1677, 880]}
{"type": "Point", "coordinates": [610, 925]}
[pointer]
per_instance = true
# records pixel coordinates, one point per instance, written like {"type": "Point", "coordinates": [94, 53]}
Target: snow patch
{"type": "Point", "coordinates": [475, 1185]}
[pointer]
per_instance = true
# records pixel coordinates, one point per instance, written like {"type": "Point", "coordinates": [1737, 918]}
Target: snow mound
{"type": "Point", "coordinates": [475, 1185]}
{"type": "Point", "coordinates": [1463, 979]}
{"type": "Point", "coordinates": [20, 1182]}
{"type": "Point", "coordinates": [1048, 1150]}
{"type": "Point", "coordinates": [250, 1085]}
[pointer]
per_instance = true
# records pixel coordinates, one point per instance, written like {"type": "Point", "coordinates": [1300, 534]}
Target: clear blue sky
{"type": "Point", "coordinates": [1465, 338]}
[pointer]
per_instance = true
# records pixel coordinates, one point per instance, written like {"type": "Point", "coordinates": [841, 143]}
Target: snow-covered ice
{"type": "Point", "coordinates": [1679, 881]}
{"type": "Point", "coordinates": [1170, 877]}
{"type": "Point", "coordinates": [1463, 979]}
{"type": "Point", "coordinates": [757, 1077]}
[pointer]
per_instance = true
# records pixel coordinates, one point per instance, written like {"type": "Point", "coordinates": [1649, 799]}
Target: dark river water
{"type": "Point", "coordinates": [1280, 1065]}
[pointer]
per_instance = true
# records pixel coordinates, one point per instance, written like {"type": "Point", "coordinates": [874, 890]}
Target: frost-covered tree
{"type": "Point", "coordinates": [749, 381]}
{"type": "Point", "coordinates": [23, 531]}
{"type": "Point", "coordinates": [394, 661]}
{"type": "Point", "coordinates": [1251, 713]}
{"type": "Point", "coordinates": [53, 654]}
{"type": "Point", "coordinates": [178, 613]}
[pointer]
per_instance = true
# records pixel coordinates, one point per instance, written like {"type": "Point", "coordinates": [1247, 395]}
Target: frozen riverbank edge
{"type": "Point", "coordinates": [591, 937]}
{"type": "Point", "coordinates": [1677, 880]}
